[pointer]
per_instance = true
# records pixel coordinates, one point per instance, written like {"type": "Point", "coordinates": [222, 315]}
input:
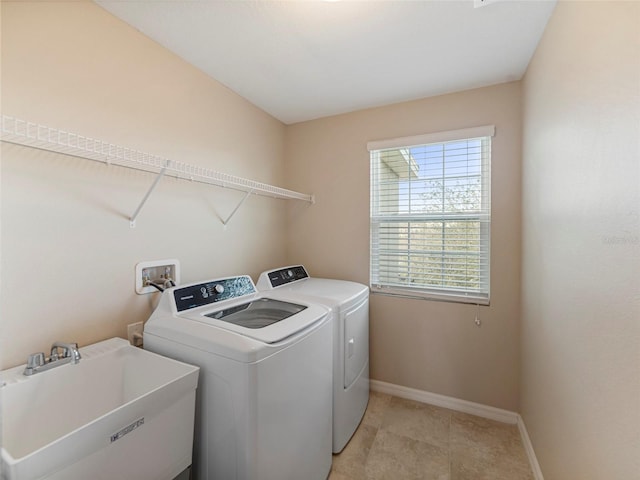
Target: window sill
{"type": "Point", "coordinates": [432, 296]}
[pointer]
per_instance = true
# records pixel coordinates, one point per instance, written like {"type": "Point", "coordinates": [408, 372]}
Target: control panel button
{"type": "Point", "coordinates": [219, 288]}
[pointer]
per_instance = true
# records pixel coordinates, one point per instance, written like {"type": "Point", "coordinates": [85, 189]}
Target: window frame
{"type": "Point", "coordinates": [449, 294]}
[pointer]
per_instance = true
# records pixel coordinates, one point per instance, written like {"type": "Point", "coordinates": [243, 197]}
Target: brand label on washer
{"type": "Point", "coordinates": [128, 429]}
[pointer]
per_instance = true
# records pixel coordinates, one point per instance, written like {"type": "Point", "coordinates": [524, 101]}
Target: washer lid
{"type": "Point", "coordinates": [339, 291]}
{"type": "Point", "coordinates": [263, 319]}
{"type": "Point", "coordinates": [259, 313]}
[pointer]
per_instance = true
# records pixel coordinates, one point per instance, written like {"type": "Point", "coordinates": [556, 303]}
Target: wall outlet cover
{"type": "Point", "coordinates": [133, 330]}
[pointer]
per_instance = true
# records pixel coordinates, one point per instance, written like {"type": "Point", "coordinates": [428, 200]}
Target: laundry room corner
{"type": "Point", "coordinates": [429, 345]}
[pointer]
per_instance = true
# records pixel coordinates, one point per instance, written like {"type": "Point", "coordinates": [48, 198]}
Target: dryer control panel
{"type": "Point", "coordinates": [287, 275]}
{"type": "Point", "coordinates": [193, 296]}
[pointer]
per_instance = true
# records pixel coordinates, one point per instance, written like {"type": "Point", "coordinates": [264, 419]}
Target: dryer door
{"type": "Point", "coordinates": [356, 341]}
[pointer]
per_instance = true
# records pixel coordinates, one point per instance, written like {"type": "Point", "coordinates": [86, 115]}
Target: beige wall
{"type": "Point", "coordinates": [68, 254]}
{"type": "Point", "coordinates": [581, 243]}
{"type": "Point", "coordinates": [427, 345]}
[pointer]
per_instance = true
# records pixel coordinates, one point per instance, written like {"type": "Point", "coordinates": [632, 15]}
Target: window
{"type": "Point", "coordinates": [431, 215]}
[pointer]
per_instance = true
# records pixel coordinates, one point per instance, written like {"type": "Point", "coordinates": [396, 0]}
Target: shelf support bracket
{"type": "Point", "coordinates": [132, 220]}
{"type": "Point", "coordinates": [224, 222]}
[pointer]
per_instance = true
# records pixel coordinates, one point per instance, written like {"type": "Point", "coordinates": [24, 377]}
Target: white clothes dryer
{"type": "Point", "coordinates": [349, 304]}
{"type": "Point", "coordinates": [263, 402]}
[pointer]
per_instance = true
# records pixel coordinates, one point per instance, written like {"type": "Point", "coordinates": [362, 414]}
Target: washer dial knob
{"type": "Point", "coordinates": [219, 288]}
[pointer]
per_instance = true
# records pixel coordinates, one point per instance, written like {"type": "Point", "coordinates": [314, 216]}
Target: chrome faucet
{"type": "Point", "coordinates": [38, 363]}
{"type": "Point", "coordinates": [69, 350]}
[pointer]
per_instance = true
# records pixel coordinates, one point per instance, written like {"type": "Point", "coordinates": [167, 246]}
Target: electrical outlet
{"type": "Point", "coordinates": [159, 272]}
{"type": "Point", "coordinates": [134, 333]}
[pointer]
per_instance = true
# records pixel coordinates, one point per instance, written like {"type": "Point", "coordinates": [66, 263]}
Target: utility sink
{"type": "Point", "coordinates": [120, 413]}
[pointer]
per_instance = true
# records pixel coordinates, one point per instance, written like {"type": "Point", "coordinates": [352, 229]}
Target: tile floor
{"type": "Point", "coordinates": [401, 439]}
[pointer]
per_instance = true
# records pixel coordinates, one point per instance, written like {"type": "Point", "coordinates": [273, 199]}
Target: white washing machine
{"type": "Point", "coordinates": [263, 403]}
{"type": "Point", "coordinates": [349, 304]}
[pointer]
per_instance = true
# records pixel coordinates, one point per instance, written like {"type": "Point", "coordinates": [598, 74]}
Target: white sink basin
{"type": "Point", "coordinates": [121, 413]}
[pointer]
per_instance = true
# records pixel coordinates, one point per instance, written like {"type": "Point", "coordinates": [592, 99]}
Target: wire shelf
{"type": "Point", "coordinates": [22, 132]}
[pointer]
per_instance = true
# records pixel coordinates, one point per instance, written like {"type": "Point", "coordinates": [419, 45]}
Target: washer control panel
{"type": "Point", "coordinates": [193, 296]}
{"type": "Point", "coordinates": [287, 275]}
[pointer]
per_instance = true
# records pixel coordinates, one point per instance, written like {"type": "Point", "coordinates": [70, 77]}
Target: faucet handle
{"type": "Point", "coordinates": [54, 353]}
{"type": "Point", "coordinates": [35, 360]}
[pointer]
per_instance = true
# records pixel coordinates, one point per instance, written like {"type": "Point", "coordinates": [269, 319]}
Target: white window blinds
{"type": "Point", "coordinates": [431, 215]}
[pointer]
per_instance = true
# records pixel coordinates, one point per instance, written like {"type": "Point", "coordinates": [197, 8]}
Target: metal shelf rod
{"type": "Point", "coordinates": [132, 220]}
{"type": "Point", "coordinates": [224, 222]}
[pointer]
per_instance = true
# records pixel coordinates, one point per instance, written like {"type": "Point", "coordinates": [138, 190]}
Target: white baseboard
{"type": "Point", "coordinates": [528, 447]}
{"type": "Point", "coordinates": [484, 411]}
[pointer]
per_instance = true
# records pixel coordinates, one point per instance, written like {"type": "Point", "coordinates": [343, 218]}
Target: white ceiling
{"type": "Point", "coordinates": [299, 60]}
